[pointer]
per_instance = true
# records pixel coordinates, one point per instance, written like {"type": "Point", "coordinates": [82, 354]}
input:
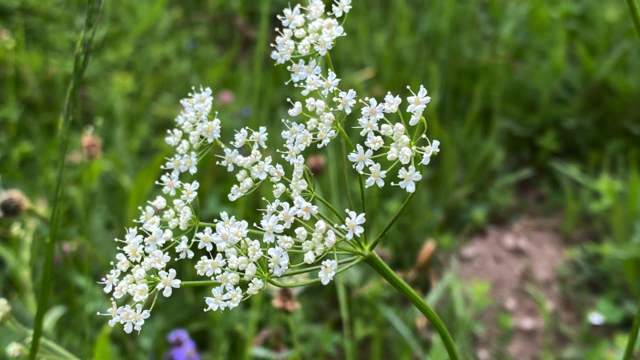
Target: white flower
{"type": "Point", "coordinates": [14, 350]}
{"type": "Point", "coordinates": [296, 110]}
{"type": "Point", "coordinates": [259, 137]}
{"type": "Point", "coordinates": [374, 143]}
{"type": "Point", "coordinates": [330, 83]}
{"type": "Point", "coordinates": [189, 162]}
{"type": "Point", "coordinates": [368, 126]}
{"type": "Point", "coordinates": [405, 154]}
{"type": "Point", "coordinates": [429, 150]}
{"type": "Point", "coordinates": [255, 286]}
{"type": "Point", "coordinates": [376, 176]}
{"type": "Point", "coordinates": [229, 158]}
{"type": "Point", "coordinates": [285, 242]}
{"type": "Point", "coordinates": [352, 224]}
{"type": "Point", "coordinates": [5, 307]}
{"type": "Point", "coordinates": [346, 100]}
{"type": "Point", "coordinates": [309, 257]}
{"type": "Point", "coordinates": [330, 239]}
{"type": "Point", "coordinates": [341, 6]}
{"type": "Point", "coordinates": [278, 261]}
{"type": "Point", "coordinates": [183, 248]}
{"type": "Point", "coordinates": [270, 227]}
{"type": "Point", "coordinates": [139, 317]}
{"type": "Point", "coordinates": [361, 157]}
{"type": "Point", "coordinates": [109, 281]}
{"type": "Point", "coordinates": [408, 178]}
{"type": "Point", "coordinates": [167, 282]}
{"type": "Point", "coordinates": [159, 203]}
{"type": "Point", "coordinates": [170, 182]}
{"type": "Point", "coordinates": [205, 239]}
{"type": "Point", "coordinates": [141, 293]}
{"type": "Point", "coordinates": [304, 209]}
{"type": "Point", "coordinates": [189, 191]}
{"type": "Point", "coordinates": [373, 110]}
{"type": "Point", "coordinates": [235, 296]}
{"type": "Point", "coordinates": [391, 103]}
{"type": "Point", "coordinates": [417, 103]}
{"type": "Point", "coordinates": [327, 271]}
{"type": "Point", "coordinates": [301, 233]}
{"type": "Point", "coordinates": [218, 301]}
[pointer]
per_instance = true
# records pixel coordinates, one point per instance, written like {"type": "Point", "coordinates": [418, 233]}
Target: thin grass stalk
{"type": "Point", "coordinates": [383, 269]}
{"type": "Point", "coordinates": [81, 61]}
{"type": "Point", "coordinates": [633, 336]}
{"type": "Point", "coordinates": [347, 340]}
{"type": "Point", "coordinates": [635, 15]}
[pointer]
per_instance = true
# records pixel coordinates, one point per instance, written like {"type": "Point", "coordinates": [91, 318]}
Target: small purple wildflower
{"type": "Point", "coordinates": [183, 348]}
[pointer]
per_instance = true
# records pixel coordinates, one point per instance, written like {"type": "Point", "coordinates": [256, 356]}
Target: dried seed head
{"type": "Point", "coordinates": [316, 163]}
{"type": "Point", "coordinates": [425, 255]}
{"type": "Point", "coordinates": [286, 300]}
{"type": "Point", "coordinates": [91, 146]}
{"type": "Point", "coordinates": [12, 203]}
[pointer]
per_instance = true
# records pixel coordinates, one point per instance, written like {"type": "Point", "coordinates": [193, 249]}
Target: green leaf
{"type": "Point", "coordinates": [101, 346]}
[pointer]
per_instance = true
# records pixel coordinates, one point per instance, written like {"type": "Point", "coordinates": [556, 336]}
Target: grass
{"type": "Point", "coordinates": [517, 88]}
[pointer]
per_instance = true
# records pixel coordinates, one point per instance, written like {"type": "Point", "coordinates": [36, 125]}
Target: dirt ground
{"type": "Point", "coordinates": [520, 262]}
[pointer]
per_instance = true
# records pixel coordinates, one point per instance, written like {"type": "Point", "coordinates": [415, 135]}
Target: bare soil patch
{"type": "Point", "coordinates": [520, 263]}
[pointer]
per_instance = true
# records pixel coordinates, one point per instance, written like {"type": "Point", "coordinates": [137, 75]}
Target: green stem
{"type": "Point", "coordinates": [346, 323]}
{"type": "Point", "coordinates": [633, 336]}
{"type": "Point", "coordinates": [81, 61]}
{"type": "Point", "coordinates": [327, 204]}
{"type": "Point", "coordinates": [378, 265]}
{"type": "Point", "coordinates": [294, 336]}
{"type": "Point", "coordinates": [635, 15]}
{"type": "Point", "coordinates": [199, 283]}
{"type": "Point", "coordinates": [393, 221]}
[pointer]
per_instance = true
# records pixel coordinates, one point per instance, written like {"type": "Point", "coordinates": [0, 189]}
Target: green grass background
{"type": "Point", "coordinates": [529, 96]}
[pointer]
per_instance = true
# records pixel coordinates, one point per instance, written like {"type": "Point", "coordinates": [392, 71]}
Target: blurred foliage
{"type": "Point", "coordinates": [530, 96]}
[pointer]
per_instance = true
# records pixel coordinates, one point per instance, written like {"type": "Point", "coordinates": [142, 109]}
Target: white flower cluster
{"type": "Point", "coordinates": [393, 140]}
{"type": "Point", "coordinates": [141, 266]}
{"type": "Point", "coordinates": [237, 259]}
{"type": "Point", "coordinates": [308, 33]}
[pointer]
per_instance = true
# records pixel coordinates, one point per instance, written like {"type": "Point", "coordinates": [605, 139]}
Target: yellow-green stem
{"type": "Point", "coordinates": [635, 15]}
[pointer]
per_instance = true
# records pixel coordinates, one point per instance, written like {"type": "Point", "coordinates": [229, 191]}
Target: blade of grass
{"type": "Point", "coordinates": [635, 15]}
{"type": "Point", "coordinates": [81, 61]}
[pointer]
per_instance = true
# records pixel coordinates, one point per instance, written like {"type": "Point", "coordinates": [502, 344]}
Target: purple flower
{"type": "Point", "coordinates": [178, 337]}
{"type": "Point", "coordinates": [183, 354]}
{"type": "Point", "coordinates": [183, 348]}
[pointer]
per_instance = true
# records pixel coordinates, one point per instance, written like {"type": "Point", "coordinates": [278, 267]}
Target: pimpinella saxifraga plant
{"type": "Point", "coordinates": [300, 231]}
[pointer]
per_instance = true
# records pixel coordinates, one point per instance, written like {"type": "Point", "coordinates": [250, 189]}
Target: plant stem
{"type": "Point", "coordinates": [390, 224]}
{"type": "Point", "coordinates": [294, 336]}
{"type": "Point", "coordinates": [635, 15]}
{"type": "Point", "coordinates": [346, 323]}
{"type": "Point", "coordinates": [633, 336]}
{"type": "Point", "coordinates": [378, 265]}
{"type": "Point", "coordinates": [81, 61]}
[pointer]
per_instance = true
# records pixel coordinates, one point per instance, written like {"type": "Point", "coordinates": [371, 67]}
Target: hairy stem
{"type": "Point", "coordinates": [378, 265]}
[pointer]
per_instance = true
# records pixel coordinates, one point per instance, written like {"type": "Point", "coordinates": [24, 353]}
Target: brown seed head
{"type": "Point", "coordinates": [13, 203]}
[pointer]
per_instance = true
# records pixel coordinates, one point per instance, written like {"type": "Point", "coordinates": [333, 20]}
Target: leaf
{"type": "Point", "coordinates": [51, 317]}
{"type": "Point", "coordinates": [101, 346]}
{"type": "Point", "coordinates": [404, 330]}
